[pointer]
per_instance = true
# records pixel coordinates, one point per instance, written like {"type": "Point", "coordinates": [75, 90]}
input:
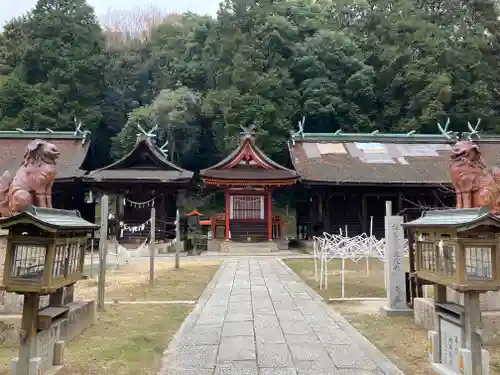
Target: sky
{"type": "Point", "coordinates": [13, 8]}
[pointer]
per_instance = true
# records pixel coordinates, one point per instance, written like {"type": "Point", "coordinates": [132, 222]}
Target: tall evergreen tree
{"type": "Point", "coordinates": [60, 69]}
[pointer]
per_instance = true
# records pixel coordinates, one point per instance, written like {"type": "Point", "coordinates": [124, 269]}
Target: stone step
{"type": "Point", "coordinates": [248, 247]}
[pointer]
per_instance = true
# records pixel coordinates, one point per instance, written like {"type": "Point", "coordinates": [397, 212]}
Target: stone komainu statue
{"type": "Point", "coordinates": [32, 183]}
{"type": "Point", "coordinates": [474, 184]}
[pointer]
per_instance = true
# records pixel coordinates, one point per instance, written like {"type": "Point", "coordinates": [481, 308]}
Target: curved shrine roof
{"type": "Point", "coordinates": [73, 149]}
{"type": "Point", "coordinates": [144, 163]}
{"type": "Point", "coordinates": [365, 159]}
{"type": "Point", "coordinates": [247, 164]}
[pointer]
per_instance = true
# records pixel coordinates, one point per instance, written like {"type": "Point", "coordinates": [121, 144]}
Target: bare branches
{"type": "Point", "coordinates": [426, 207]}
{"type": "Point", "coordinates": [418, 204]}
{"type": "Point", "coordinates": [122, 26]}
{"type": "Point", "coordinates": [446, 189]}
{"type": "Point", "coordinates": [439, 199]}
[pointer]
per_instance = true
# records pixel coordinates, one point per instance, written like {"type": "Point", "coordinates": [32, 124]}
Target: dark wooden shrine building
{"type": "Point", "coordinates": [68, 191]}
{"type": "Point", "coordinates": [248, 178]}
{"type": "Point", "coordinates": [347, 178]}
{"type": "Point", "coordinates": [139, 180]}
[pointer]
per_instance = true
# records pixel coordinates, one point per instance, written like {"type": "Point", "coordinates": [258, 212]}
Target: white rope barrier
{"type": "Point", "coordinates": [340, 246]}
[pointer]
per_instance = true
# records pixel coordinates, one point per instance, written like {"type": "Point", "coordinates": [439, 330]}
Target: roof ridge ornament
{"type": "Point", "coordinates": [164, 149]}
{"type": "Point", "coordinates": [148, 134]}
{"type": "Point", "coordinates": [444, 131]}
{"type": "Point", "coordinates": [300, 132]}
{"type": "Point", "coordinates": [78, 130]}
{"type": "Point", "coordinates": [474, 130]}
{"type": "Point", "coordinates": [248, 131]}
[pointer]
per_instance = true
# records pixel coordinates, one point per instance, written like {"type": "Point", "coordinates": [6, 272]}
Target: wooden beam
{"type": "Point", "coordinates": [472, 314]}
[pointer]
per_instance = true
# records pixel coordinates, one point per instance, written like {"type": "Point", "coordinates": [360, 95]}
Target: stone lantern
{"type": "Point", "coordinates": [459, 249]}
{"type": "Point", "coordinates": [45, 253]}
{"type": "Point", "coordinates": [45, 250]}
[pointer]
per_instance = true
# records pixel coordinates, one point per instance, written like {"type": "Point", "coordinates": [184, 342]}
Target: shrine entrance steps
{"type": "Point", "coordinates": [235, 247]}
{"type": "Point", "coordinates": [243, 230]}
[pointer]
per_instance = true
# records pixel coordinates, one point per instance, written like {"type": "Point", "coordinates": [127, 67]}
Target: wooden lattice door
{"type": "Point", "coordinates": [247, 207]}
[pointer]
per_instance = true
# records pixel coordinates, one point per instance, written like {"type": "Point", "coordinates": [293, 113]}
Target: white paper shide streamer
{"type": "Point", "coordinates": [132, 228]}
{"type": "Point", "coordinates": [131, 203]}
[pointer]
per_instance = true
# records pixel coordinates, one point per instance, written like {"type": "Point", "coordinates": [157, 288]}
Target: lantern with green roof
{"type": "Point", "coordinates": [45, 249]}
{"type": "Point", "coordinates": [458, 248]}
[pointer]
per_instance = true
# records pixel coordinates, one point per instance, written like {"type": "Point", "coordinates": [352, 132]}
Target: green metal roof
{"type": "Point", "coordinates": [455, 218]}
{"type": "Point", "coordinates": [51, 219]}
{"type": "Point", "coordinates": [45, 134]}
{"type": "Point", "coordinates": [377, 136]}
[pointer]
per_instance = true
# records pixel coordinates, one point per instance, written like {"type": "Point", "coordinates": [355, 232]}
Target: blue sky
{"type": "Point", "coordinates": [14, 8]}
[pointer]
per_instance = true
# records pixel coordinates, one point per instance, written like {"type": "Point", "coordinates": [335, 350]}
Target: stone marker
{"type": "Point", "coordinates": [395, 268]}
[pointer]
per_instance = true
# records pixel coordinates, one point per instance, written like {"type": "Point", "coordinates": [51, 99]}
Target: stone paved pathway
{"type": "Point", "coordinates": [257, 318]}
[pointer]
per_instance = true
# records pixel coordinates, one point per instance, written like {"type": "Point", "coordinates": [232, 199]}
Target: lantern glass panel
{"type": "Point", "coordinates": [427, 256]}
{"type": "Point", "coordinates": [449, 260]}
{"type": "Point", "coordinates": [59, 260]}
{"type": "Point", "coordinates": [66, 258]}
{"type": "Point", "coordinates": [438, 257]}
{"type": "Point", "coordinates": [478, 263]}
{"type": "Point", "coordinates": [74, 257]}
{"type": "Point", "coordinates": [29, 262]}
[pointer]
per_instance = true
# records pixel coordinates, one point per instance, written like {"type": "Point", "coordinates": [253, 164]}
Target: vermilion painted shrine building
{"type": "Point", "coordinates": [248, 178]}
{"type": "Point", "coordinates": [340, 180]}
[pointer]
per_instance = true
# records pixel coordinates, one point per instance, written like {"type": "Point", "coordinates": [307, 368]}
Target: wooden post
{"type": "Point", "coordinates": [56, 299]}
{"type": "Point", "coordinates": [439, 297]}
{"type": "Point", "coordinates": [270, 215]}
{"type": "Point", "coordinates": [27, 349]}
{"type": "Point", "coordinates": [118, 216]}
{"type": "Point", "coordinates": [228, 204]}
{"type": "Point", "coordinates": [177, 239]}
{"type": "Point", "coordinates": [69, 294]}
{"type": "Point", "coordinates": [92, 256]}
{"type": "Point", "coordinates": [103, 252]}
{"type": "Point", "coordinates": [163, 217]}
{"type": "Point", "coordinates": [152, 248]}
{"type": "Point", "coordinates": [472, 324]}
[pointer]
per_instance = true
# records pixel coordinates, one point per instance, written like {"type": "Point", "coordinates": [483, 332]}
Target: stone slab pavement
{"type": "Point", "coordinates": [256, 317]}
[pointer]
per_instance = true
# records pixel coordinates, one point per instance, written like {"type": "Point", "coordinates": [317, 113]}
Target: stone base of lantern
{"type": "Point", "coordinates": [50, 342]}
{"type": "Point", "coordinates": [424, 317]}
{"type": "Point", "coordinates": [387, 311]}
{"type": "Point", "coordinates": [464, 358]}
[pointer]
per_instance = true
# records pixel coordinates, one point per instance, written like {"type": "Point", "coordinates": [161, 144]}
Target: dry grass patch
{"type": "Point", "coordinates": [130, 339]}
{"type": "Point", "coordinates": [7, 353]}
{"type": "Point", "coordinates": [357, 282]}
{"type": "Point", "coordinates": [399, 338]}
{"type": "Point", "coordinates": [131, 282]}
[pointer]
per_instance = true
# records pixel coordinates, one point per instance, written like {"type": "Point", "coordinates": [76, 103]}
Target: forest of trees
{"type": "Point", "coordinates": [359, 65]}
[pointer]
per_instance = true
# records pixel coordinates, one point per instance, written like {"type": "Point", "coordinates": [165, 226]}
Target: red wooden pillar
{"type": "Point", "coordinates": [228, 206]}
{"type": "Point", "coordinates": [270, 215]}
